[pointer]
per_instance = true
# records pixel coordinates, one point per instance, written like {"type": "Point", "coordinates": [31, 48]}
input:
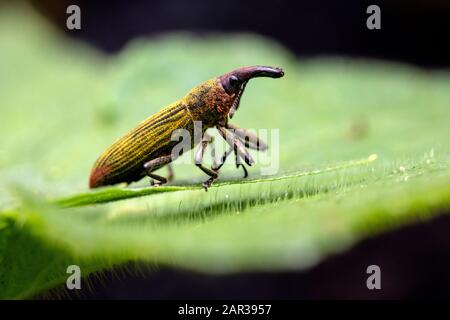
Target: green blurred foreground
{"type": "Point", "coordinates": [62, 103]}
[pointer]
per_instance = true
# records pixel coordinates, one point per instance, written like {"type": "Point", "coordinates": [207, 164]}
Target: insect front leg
{"type": "Point", "coordinates": [206, 139]}
{"type": "Point", "coordinates": [238, 164]}
{"type": "Point", "coordinates": [154, 164]}
{"type": "Point", "coordinates": [249, 139]}
{"type": "Point", "coordinates": [238, 147]}
{"type": "Point", "coordinates": [224, 157]}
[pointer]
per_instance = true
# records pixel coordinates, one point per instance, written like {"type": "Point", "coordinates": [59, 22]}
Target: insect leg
{"type": "Point", "coordinates": [239, 149]}
{"type": "Point", "coordinates": [169, 172]}
{"type": "Point", "coordinates": [224, 158]}
{"type": "Point", "coordinates": [236, 159]}
{"type": "Point", "coordinates": [198, 162]}
{"type": "Point", "coordinates": [236, 145]}
{"type": "Point", "coordinates": [249, 139]}
{"type": "Point", "coordinates": [156, 164]}
{"type": "Point", "coordinates": [210, 140]}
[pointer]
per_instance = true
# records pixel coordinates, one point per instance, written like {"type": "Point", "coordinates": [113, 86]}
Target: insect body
{"type": "Point", "coordinates": [148, 147]}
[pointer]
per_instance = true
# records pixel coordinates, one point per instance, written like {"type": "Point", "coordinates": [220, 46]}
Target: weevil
{"type": "Point", "coordinates": [148, 146]}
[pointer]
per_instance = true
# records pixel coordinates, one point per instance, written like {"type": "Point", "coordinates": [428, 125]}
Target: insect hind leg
{"type": "Point", "coordinates": [157, 163]}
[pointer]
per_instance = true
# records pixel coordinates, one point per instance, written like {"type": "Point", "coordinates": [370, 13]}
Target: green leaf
{"type": "Point", "coordinates": [113, 193]}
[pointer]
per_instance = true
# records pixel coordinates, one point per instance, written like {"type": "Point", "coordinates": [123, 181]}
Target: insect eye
{"type": "Point", "coordinates": [234, 81]}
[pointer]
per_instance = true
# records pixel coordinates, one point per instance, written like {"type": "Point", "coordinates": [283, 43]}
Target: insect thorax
{"type": "Point", "coordinates": [209, 103]}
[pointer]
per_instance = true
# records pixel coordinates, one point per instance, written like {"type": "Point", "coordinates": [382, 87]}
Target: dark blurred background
{"type": "Point", "coordinates": [412, 31]}
{"type": "Point", "coordinates": [414, 263]}
{"type": "Point", "coordinates": [414, 260]}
